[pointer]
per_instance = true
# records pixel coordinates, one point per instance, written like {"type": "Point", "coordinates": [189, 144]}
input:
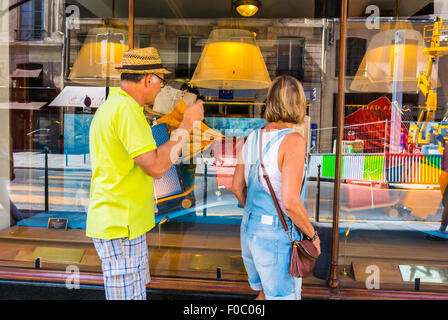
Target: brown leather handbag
{"type": "Point", "coordinates": [303, 253]}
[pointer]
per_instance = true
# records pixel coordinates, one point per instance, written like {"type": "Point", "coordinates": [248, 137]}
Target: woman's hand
{"type": "Point", "coordinates": [316, 244]}
{"type": "Point", "coordinates": [239, 184]}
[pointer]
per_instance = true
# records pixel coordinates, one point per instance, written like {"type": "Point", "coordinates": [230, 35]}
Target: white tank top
{"type": "Point", "coordinates": [270, 160]}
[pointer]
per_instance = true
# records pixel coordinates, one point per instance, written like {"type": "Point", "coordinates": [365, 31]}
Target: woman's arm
{"type": "Point", "coordinates": [291, 163]}
{"type": "Point", "coordinates": [239, 188]}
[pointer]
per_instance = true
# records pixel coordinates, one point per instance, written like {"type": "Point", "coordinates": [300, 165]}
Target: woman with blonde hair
{"type": "Point", "coordinates": [264, 243]}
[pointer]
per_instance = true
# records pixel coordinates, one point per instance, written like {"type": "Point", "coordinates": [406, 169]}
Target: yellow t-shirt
{"type": "Point", "coordinates": [121, 194]}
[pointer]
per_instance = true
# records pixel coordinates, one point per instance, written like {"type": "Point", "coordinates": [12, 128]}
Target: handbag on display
{"type": "Point", "coordinates": [303, 253]}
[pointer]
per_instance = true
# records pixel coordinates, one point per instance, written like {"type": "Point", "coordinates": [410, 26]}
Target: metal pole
{"type": "Point", "coordinates": [333, 281]}
{"type": "Point", "coordinates": [46, 177]}
{"type": "Point", "coordinates": [318, 193]}
{"type": "Point", "coordinates": [204, 210]}
{"type": "Point", "coordinates": [131, 25]}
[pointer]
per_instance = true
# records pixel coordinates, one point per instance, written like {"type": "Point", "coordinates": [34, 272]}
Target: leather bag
{"type": "Point", "coordinates": [303, 253]}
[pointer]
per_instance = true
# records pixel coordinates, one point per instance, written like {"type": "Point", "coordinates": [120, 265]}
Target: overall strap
{"type": "Point", "coordinates": [271, 142]}
{"type": "Point", "coordinates": [271, 190]}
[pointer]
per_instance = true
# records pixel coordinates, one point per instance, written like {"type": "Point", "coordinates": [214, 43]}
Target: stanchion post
{"type": "Point", "coordinates": [46, 177]}
{"type": "Point", "coordinates": [316, 217]}
{"type": "Point", "coordinates": [204, 210]}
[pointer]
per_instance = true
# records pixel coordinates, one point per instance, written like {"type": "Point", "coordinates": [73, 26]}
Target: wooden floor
{"type": "Point", "coordinates": [197, 251]}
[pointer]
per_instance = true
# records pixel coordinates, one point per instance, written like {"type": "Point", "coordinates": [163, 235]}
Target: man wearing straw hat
{"type": "Point", "coordinates": [125, 159]}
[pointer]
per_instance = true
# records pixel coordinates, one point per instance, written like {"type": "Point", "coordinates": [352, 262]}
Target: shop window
{"type": "Point", "coordinates": [390, 206]}
{"type": "Point", "coordinates": [290, 57]}
{"type": "Point", "coordinates": [356, 49]}
{"type": "Point", "coordinates": [188, 54]}
{"type": "Point", "coordinates": [31, 24]}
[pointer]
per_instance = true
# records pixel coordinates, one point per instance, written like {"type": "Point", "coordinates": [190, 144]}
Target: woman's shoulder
{"type": "Point", "coordinates": [293, 141]}
{"type": "Point", "coordinates": [294, 137]}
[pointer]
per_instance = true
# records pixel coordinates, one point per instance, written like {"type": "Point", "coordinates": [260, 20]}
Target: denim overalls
{"type": "Point", "coordinates": [264, 243]}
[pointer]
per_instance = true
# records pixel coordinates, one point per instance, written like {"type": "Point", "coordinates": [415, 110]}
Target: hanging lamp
{"type": "Point", "coordinates": [398, 44]}
{"type": "Point", "coordinates": [247, 8]}
{"type": "Point", "coordinates": [100, 53]}
{"type": "Point", "coordinates": [231, 59]}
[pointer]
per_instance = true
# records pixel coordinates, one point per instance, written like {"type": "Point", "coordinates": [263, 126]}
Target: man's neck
{"type": "Point", "coordinates": [132, 90]}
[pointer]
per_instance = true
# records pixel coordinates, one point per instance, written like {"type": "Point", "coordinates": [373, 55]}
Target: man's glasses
{"type": "Point", "coordinates": [163, 82]}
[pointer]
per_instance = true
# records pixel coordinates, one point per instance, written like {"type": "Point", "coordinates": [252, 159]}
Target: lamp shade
{"type": "Point", "coordinates": [376, 72]}
{"type": "Point", "coordinates": [100, 54]}
{"type": "Point", "coordinates": [247, 10]}
{"type": "Point", "coordinates": [231, 59]}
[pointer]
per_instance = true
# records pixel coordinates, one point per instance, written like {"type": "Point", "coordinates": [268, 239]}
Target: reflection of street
{"type": "Point", "coordinates": [69, 182]}
{"type": "Point", "coordinates": [69, 191]}
{"type": "Point", "coordinates": [424, 273]}
{"type": "Point", "coordinates": [423, 206]}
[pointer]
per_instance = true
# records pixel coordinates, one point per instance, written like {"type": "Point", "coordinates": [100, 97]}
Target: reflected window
{"type": "Point", "coordinates": [31, 21]}
{"type": "Point", "coordinates": [188, 54]}
{"type": "Point", "coordinates": [356, 49]}
{"type": "Point", "coordinates": [143, 40]}
{"type": "Point", "coordinates": [290, 57]}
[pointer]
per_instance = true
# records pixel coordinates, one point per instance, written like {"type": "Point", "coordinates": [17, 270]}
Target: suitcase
{"type": "Point", "coordinates": [169, 190]}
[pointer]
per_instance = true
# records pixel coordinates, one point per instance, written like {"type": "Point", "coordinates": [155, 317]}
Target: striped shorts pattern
{"type": "Point", "coordinates": [125, 267]}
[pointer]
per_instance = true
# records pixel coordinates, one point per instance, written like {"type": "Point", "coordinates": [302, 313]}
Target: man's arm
{"type": "Point", "coordinates": [157, 162]}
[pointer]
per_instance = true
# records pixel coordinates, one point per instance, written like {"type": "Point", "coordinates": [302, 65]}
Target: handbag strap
{"type": "Point", "coordinates": [271, 190]}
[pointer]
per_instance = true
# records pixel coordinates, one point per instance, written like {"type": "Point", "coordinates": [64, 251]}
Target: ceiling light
{"type": "Point", "coordinates": [100, 53]}
{"type": "Point", "coordinates": [247, 8]}
{"type": "Point", "coordinates": [230, 60]}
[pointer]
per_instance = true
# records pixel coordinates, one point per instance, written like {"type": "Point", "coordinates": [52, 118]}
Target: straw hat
{"type": "Point", "coordinates": [142, 61]}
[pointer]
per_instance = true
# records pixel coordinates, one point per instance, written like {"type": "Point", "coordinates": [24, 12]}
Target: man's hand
{"type": "Point", "coordinates": [157, 162]}
{"type": "Point", "coordinates": [194, 112]}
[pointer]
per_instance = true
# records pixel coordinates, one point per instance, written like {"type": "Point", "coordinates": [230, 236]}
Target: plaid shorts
{"type": "Point", "coordinates": [125, 267]}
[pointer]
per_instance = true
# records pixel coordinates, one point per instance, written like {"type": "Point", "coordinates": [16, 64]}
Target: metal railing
{"type": "Point", "coordinates": [385, 168]}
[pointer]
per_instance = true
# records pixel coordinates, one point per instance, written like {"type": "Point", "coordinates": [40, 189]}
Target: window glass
{"type": "Point", "coordinates": [392, 215]}
{"type": "Point", "coordinates": [31, 21]}
{"type": "Point", "coordinates": [290, 57]}
{"type": "Point", "coordinates": [356, 49]}
{"type": "Point", "coordinates": [188, 54]}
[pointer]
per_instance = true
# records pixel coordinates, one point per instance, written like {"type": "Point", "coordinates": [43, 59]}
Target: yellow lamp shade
{"type": "Point", "coordinates": [101, 52]}
{"type": "Point", "coordinates": [247, 10]}
{"type": "Point", "coordinates": [231, 59]}
{"type": "Point", "coordinates": [376, 72]}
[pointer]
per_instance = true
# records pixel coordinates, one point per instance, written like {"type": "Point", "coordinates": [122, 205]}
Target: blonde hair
{"type": "Point", "coordinates": [285, 101]}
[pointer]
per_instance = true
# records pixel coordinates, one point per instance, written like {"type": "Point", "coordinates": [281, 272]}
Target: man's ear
{"type": "Point", "coordinates": [146, 80]}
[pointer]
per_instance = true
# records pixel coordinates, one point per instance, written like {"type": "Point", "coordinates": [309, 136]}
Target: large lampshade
{"type": "Point", "coordinates": [101, 52]}
{"type": "Point", "coordinates": [384, 53]}
{"type": "Point", "coordinates": [231, 59]}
